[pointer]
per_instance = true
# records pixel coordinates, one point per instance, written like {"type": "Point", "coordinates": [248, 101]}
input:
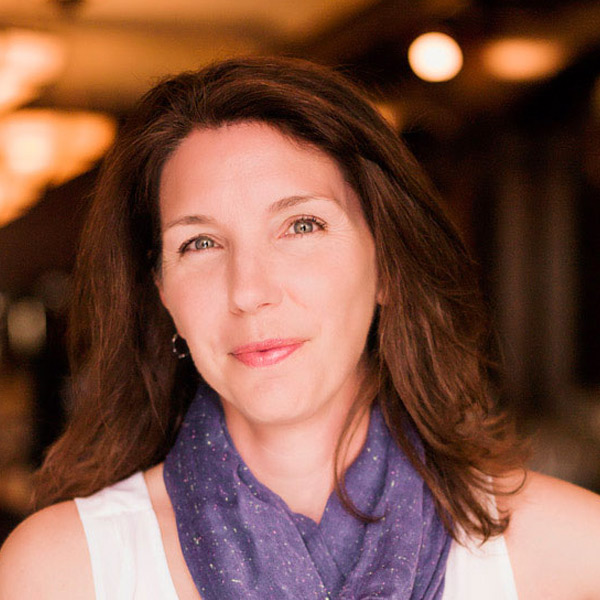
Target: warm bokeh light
{"type": "Point", "coordinates": [435, 56]}
{"type": "Point", "coordinates": [33, 56]}
{"type": "Point", "coordinates": [16, 196]}
{"type": "Point", "coordinates": [89, 136]}
{"type": "Point", "coordinates": [40, 147]}
{"type": "Point", "coordinates": [14, 92]}
{"type": "Point", "coordinates": [28, 59]}
{"type": "Point", "coordinates": [28, 141]}
{"type": "Point", "coordinates": [522, 59]}
{"type": "Point", "coordinates": [26, 326]}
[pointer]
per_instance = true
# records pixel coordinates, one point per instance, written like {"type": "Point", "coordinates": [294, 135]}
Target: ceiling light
{"type": "Point", "coordinates": [33, 56]}
{"type": "Point", "coordinates": [14, 92]}
{"type": "Point", "coordinates": [89, 136]}
{"type": "Point", "coordinates": [41, 147]}
{"type": "Point", "coordinates": [435, 56]}
{"type": "Point", "coordinates": [16, 196]}
{"type": "Point", "coordinates": [523, 59]}
{"type": "Point", "coordinates": [28, 143]}
{"type": "Point", "coordinates": [28, 59]}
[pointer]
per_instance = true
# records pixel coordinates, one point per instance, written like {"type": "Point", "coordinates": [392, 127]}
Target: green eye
{"type": "Point", "coordinates": [303, 226]}
{"type": "Point", "coordinates": [203, 243]}
{"type": "Point", "coordinates": [197, 244]}
{"type": "Point", "coordinates": [307, 225]}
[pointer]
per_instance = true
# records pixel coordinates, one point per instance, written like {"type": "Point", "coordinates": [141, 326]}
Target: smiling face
{"type": "Point", "coordinates": [268, 271]}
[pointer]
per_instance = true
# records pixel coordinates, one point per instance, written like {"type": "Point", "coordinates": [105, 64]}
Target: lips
{"type": "Point", "coordinates": [267, 352]}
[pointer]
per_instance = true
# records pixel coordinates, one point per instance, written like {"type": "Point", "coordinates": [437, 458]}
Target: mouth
{"type": "Point", "coordinates": [266, 353]}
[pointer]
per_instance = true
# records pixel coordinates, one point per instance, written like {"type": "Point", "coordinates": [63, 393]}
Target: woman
{"type": "Point", "coordinates": [340, 440]}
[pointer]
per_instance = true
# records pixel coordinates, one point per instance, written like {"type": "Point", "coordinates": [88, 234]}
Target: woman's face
{"type": "Point", "coordinates": [268, 271]}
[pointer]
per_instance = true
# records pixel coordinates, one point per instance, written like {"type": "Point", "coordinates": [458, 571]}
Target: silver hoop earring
{"type": "Point", "coordinates": [179, 346]}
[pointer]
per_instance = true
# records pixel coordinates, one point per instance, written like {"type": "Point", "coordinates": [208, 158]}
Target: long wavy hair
{"type": "Point", "coordinates": [428, 344]}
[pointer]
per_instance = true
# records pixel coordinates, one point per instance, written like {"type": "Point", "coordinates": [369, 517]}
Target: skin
{"type": "Point", "coordinates": [260, 279]}
{"type": "Point", "coordinates": [256, 273]}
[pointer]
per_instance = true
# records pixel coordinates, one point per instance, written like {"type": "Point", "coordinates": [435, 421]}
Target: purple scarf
{"type": "Point", "coordinates": [241, 541]}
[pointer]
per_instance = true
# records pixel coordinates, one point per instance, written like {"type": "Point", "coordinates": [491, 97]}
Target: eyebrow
{"type": "Point", "coordinates": [277, 206]}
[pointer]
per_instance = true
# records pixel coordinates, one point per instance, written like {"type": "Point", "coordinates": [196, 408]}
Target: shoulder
{"type": "Point", "coordinates": [46, 557]}
{"type": "Point", "coordinates": [553, 539]}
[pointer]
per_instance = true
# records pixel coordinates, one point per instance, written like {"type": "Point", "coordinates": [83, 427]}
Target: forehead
{"type": "Point", "coordinates": [235, 159]}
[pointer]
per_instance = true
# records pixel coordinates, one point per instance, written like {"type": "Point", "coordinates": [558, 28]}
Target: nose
{"type": "Point", "coordinates": [253, 281]}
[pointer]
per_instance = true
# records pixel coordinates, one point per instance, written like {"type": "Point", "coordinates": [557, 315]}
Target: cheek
{"type": "Point", "coordinates": [342, 285]}
{"type": "Point", "coordinates": [192, 304]}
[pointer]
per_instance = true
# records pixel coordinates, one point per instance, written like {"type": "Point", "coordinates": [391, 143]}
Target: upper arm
{"type": "Point", "coordinates": [553, 539]}
{"type": "Point", "coordinates": [46, 557]}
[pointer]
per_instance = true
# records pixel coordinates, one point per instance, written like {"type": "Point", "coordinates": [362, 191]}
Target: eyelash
{"type": "Point", "coordinates": [306, 218]}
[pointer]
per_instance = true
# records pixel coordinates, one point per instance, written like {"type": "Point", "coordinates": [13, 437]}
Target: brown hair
{"type": "Point", "coordinates": [427, 342]}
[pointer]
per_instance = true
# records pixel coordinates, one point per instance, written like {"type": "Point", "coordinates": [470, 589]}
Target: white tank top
{"type": "Point", "coordinates": [129, 561]}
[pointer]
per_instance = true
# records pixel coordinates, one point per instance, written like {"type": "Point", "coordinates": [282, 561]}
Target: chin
{"type": "Point", "coordinates": [272, 405]}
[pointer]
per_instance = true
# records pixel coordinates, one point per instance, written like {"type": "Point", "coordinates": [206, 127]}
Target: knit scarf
{"type": "Point", "coordinates": [241, 541]}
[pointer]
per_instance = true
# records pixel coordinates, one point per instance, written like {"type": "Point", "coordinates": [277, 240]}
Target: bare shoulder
{"type": "Point", "coordinates": [553, 539]}
{"type": "Point", "coordinates": [46, 557]}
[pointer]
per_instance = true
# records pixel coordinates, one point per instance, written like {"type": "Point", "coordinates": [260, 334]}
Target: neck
{"type": "Point", "coordinates": [296, 461]}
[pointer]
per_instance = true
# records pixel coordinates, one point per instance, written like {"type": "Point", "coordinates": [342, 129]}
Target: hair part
{"type": "Point", "coordinates": [427, 345]}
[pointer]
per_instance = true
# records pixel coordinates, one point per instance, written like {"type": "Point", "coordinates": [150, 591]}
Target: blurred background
{"type": "Point", "coordinates": [499, 100]}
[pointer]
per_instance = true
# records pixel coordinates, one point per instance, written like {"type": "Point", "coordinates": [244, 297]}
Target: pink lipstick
{"type": "Point", "coordinates": [266, 353]}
